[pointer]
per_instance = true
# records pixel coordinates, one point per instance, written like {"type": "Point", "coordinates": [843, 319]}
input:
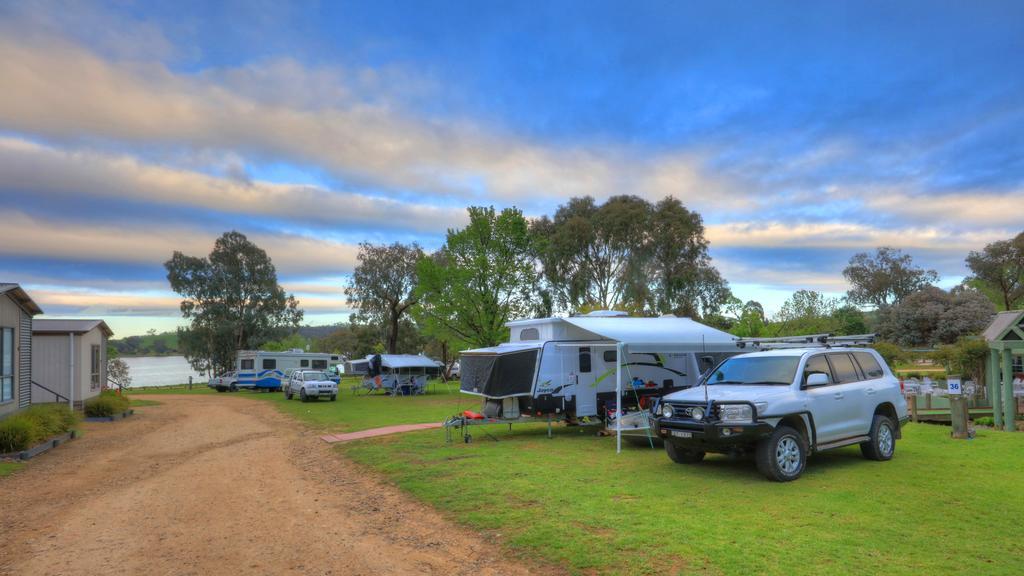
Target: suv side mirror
{"type": "Point", "coordinates": [816, 379]}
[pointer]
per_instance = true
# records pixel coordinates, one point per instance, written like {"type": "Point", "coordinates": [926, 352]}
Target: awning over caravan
{"type": "Point", "coordinates": [657, 334]}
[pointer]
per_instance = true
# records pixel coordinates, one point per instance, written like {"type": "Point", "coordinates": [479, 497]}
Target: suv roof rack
{"type": "Point", "coordinates": [809, 341]}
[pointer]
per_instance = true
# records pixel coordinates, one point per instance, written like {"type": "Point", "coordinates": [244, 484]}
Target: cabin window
{"type": "Point", "coordinates": [6, 364]}
{"type": "Point", "coordinates": [248, 364]}
{"type": "Point", "coordinates": [304, 363]}
{"type": "Point", "coordinates": [94, 367]}
{"type": "Point", "coordinates": [584, 359]}
{"type": "Point", "coordinates": [609, 356]}
{"type": "Point", "coordinates": [269, 364]}
{"type": "Point", "coordinates": [529, 334]}
{"type": "Point", "coordinates": [320, 364]}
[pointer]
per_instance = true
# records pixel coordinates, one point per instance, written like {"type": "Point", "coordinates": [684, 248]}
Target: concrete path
{"type": "Point", "coordinates": [373, 432]}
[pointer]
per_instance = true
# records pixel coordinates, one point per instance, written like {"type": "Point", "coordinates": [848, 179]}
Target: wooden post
{"type": "Point", "coordinates": [1008, 404]}
{"type": "Point", "coordinates": [957, 408]}
{"type": "Point", "coordinates": [996, 397]}
{"type": "Point", "coordinates": [912, 404]}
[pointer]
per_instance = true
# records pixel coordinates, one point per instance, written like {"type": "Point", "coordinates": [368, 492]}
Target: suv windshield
{"type": "Point", "coordinates": [756, 370]}
{"type": "Point", "coordinates": [310, 376]}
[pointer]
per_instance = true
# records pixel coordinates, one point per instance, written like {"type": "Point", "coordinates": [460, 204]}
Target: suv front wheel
{"type": "Point", "coordinates": [783, 455]}
{"type": "Point", "coordinates": [882, 444]}
{"type": "Point", "coordinates": [681, 455]}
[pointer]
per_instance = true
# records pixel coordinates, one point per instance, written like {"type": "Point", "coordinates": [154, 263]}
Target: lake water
{"type": "Point", "coordinates": [161, 371]}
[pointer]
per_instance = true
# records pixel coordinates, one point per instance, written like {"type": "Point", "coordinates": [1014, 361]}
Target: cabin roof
{"type": "Point", "coordinates": [20, 297]}
{"type": "Point", "coordinates": [1001, 324]}
{"type": "Point", "coordinates": [69, 326]}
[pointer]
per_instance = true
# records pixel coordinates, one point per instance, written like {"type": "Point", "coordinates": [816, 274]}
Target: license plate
{"type": "Point", "coordinates": [681, 434]}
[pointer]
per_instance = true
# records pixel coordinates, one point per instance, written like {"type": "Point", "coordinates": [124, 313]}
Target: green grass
{"type": "Point", "coordinates": [176, 389]}
{"type": "Point", "coordinates": [938, 507]}
{"type": "Point", "coordinates": [350, 413]}
{"type": "Point", "coordinates": [140, 402]}
{"type": "Point", "coordinates": [8, 468]}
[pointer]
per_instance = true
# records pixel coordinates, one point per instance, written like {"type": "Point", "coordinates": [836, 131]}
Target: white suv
{"type": "Point", "coordinates": [785, 404]}
{"type": "Point", "coordinates": [310, 385]}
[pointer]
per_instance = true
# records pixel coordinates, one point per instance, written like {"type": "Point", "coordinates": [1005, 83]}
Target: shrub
{"type": "Point", "coordinates": [106, 404]}
{"type": "Point", "coordinates": [985, 421]}
{"type": "Point", "coordinates": [16, 434]}
{"type": "Point", "coordinates": [33, 425]}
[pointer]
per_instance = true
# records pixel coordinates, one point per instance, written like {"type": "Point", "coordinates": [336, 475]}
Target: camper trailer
{"type": "Point", "coordinates": [571, 367]}
{"type": "Point", "coordinates": [398, 374]}
{"type": "Point", "coordinates": [263, 369]}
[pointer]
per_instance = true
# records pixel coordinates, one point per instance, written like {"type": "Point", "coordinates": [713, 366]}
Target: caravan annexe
{"type": "Point", "coordinates": [262, 369]}
{"type": "Point", "coordinates": [570, 365]}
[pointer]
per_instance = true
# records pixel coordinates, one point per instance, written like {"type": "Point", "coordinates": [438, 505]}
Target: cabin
{"type": "Point", "coordinates": [70, 359]}
{"type": "Point", "coordinates": [16, 313]}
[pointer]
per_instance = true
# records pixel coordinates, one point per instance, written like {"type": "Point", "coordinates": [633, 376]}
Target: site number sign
{"type": "Point", "coordinates": [953, 385]}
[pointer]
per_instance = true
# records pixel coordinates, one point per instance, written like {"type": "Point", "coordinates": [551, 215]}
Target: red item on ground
{"type": "Point", "coordinates": [472, 415]}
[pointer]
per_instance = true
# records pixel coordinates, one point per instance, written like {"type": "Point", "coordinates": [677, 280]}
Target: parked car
{"type": "Point", "coordinates": [224, 382]}
{"type": "Point", "coordinates": [784, 405]}
{"type": "Point", "coordinates": [455, 372]}
{"type": "Point", "coordinates": [310, 385]}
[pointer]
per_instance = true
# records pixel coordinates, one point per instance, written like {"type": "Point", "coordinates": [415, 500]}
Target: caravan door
{"type": "Point", "coordinates": [586, 385]}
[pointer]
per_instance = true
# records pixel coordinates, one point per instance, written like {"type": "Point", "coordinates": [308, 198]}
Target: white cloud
{"type": "Point", "coordinates": [30, 168]}
{"type": "Point", "coordinates": [844, 235]}
{"type": "Point", "coordinates": [58, 90]}
{"type": "Point", "coordinates": [153, 243]}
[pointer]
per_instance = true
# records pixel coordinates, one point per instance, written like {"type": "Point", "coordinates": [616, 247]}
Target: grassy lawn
{"type": "Point", "coordinates": [176, 389]}
{"type": "Point", "coordinates": [351, 412]}
{"type": "Point", "coordinates": [7, 468]}
{"type": "Point", "coordinates": [939, 507]}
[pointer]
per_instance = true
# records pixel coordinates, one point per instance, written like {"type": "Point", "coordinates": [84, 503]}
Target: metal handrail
{"type": "Point", "coordinates": [59, 396]}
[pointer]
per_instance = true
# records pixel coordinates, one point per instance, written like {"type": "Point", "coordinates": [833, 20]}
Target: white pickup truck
{"type": "Point", "coordinates": [310, 385]}
{"type": "Point", "coordinates": [783, 405]}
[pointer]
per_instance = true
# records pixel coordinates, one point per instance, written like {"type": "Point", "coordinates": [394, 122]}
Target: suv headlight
{"type": "Point", "coordinates": [735, 413]}
{"type": "Point", "coordinates": [667, 411]}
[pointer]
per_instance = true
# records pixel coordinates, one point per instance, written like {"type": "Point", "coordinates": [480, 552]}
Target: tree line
{"type": "Point", "coordinates": [626, 254]}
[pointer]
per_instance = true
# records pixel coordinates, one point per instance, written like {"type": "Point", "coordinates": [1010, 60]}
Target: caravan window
{"type": "Point", "coordinates": [584, 359]}
{"type": "Point", "coordinates": [609, 356]}
{"type": "Point", "coordinates": [304, 363]}
{"type": "Point", "coordinates": [269, 364]}
{"type": "Point", "coordinates": [529, 334]}
{"type": "Point", "coordinates": [248, 364]}
{"type": "Point", "coordinates": [320, 364]}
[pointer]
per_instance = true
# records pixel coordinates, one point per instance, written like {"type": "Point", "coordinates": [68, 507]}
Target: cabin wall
{"type": "Point", "coordinates": [12, 316]}
{"type": "Point", "coordinates": [51, 360]}
{"type": "Point", "coordinates": [88, 386]}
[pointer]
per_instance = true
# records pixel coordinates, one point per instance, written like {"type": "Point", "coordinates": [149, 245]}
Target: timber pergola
{"type": "Point", "coordinates": [1005, 338]}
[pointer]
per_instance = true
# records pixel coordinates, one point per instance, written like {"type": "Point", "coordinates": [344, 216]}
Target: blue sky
{"type": "Point", "coordinates": [802, 132]}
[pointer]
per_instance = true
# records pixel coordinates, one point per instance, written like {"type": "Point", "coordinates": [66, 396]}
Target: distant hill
{"type": "Point", "coordinates": [317, 332]}
{"type": "Point", "coordinates": [166, 343]}
{"type": "Point", "coordinates": [162, 344]}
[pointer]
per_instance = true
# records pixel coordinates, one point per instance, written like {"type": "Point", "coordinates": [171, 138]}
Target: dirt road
{"type": "Point", "coordinates": [221, 485]}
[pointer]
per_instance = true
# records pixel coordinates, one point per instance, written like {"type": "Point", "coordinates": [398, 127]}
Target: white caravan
{"type": "Point", "coordinates": [569, 365]}
{"type": "Point", "coordinates": [263, 369]}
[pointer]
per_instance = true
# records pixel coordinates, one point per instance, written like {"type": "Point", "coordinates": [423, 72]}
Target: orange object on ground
{"type": "Point", "coordinates": [472, 415]}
